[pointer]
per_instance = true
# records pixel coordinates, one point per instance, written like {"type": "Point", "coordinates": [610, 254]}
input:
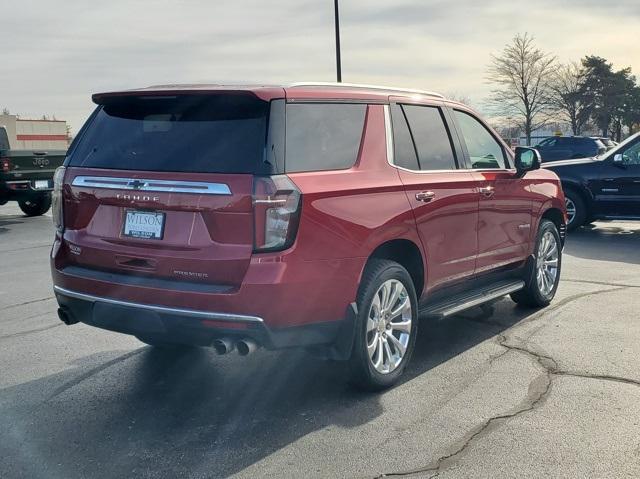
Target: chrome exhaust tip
{"type": "Point", "coordinates": [246, 347]}
{"type": "Point", "coordinates": [223, 345]}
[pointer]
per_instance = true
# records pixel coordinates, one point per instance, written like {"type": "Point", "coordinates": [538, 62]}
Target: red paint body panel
{"type": "Point", "coordinates": [447, 224]}
{"type": "Point", "coordinates": [345, 216]}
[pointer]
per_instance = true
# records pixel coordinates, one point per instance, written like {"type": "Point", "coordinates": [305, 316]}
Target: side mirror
{"type": "Point", "coordinates": [527, 159]}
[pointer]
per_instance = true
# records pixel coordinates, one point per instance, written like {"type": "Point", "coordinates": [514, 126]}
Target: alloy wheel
{"type": "Point", "coordinates": [388, 326]}
{"type": "Point", "coordinates": [547, 263]}
{"type": "Point", "coordinates": [571, 210]}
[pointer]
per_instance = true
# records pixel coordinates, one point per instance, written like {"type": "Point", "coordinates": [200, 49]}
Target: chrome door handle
{"type": "Point", "coordinates": [487, 190]}
{"type": "Point", "coordinates": [425, 196]}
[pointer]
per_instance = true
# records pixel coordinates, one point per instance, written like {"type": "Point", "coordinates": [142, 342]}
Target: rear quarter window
{"type": "Point", "coordinates": [323, 136]}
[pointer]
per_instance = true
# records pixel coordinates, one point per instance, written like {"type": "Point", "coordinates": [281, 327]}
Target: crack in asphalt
{"type": "Point", "coordinates": [45, 245]}
{"type": "Point", "coordinates": [539, 388]}
{"type": "Point", "coordinates": [31, 331]}
{"type": "Point", "coordinates": [74, 382]}
{"type": "Point", "coordinates": [587, 281]}
{"type": "Point", "coordinates": [11, 306]}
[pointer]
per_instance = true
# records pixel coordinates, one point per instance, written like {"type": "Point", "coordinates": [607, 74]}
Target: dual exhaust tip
{"type": "Point", "coordinates": [244, 346]}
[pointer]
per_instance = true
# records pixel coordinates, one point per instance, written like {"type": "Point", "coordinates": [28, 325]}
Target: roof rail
{"type": "Point", "coordinates": [371, 87]}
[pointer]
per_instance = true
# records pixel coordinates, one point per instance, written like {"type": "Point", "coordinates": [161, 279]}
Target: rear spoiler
{"type": "Point", "coordinates": [262, 93]}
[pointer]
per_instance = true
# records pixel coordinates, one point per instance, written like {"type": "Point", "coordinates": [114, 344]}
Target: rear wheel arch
{"type": "Point", "coordinates": [406, 253]}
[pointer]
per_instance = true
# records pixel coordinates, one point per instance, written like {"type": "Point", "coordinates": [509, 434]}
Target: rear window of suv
{"type": "Point", "coordinates": [323, 136]}
{"type": "Point", "coordinates": [182, 133]}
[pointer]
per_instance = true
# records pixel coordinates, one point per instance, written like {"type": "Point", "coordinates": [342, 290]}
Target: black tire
{"type": "Point", "coordinates": [36, 206]}
{"type": "Point", "coordinates": [581, 215]}
{"type": "Point", "coordinates": [363, 373]}
{"type": "Point", "coordinates": [531, 295]}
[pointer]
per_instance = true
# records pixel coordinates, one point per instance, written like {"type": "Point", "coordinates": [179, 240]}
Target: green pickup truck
{"type": "Point", "coordinates": [27, 176]}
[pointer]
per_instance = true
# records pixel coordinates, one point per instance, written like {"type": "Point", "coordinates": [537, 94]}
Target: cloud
{"type": "Point", "coordinates": [56, 53]}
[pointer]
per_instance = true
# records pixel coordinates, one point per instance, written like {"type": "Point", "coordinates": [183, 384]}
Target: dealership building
{"type": "Point", "coordinates": [35, 134]}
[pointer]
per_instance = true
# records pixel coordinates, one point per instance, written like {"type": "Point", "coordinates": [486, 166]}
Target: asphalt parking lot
{"type": "Point", "coordinates": [493, 392]}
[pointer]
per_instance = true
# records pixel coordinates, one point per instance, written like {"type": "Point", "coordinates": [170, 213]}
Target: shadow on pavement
{"type": "Point", "coordinates": [148, 412]}
{"type": "Point", "coordinates": [618, 242]}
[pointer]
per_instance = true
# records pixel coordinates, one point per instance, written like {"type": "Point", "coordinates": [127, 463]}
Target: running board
{"type": "Point", "coordinates": [469, 299]}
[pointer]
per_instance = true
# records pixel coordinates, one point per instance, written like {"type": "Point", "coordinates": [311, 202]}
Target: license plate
{"type": "Point", "coordinates": [143, 224]}
{"type": "Point", "coordinates": [41, 184]}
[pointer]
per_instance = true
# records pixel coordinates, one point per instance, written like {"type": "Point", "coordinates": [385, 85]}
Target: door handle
{"type": "Point", "coordinates": [425, 196]}
{"type": "Point", "coordinates": [487, 191]}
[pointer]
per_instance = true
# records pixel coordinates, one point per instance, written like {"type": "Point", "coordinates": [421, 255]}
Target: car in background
{"type": "Point", "coordinates": [556, 148]}
{"type": "Point", "coordinates": [185, 215]}
{"type": "Point", "coordinates": [605, 187]}
{"type": "Point", "coordinates": [26, 176]}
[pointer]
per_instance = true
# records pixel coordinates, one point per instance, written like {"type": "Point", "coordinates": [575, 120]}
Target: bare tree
{"type": "Point", "coordinates": [459, 97]}
{"type": "Point", "coordinates": [567, 90]}
{"type": "Point", "coordinates": [522, 74]}
{"type": "Point", "coordinates": [5, 111]}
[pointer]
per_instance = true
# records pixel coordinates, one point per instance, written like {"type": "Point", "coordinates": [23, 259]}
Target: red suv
{"type": "Point", "coordinates": [326, 216]}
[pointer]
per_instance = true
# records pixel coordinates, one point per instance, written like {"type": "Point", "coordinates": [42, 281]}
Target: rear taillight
{"type": "Point", "coordinates": [276, 208]}
{"type": "Point", "coordinates": [56, 199]}
{"type": "Point", "coordinates": [5, 165]}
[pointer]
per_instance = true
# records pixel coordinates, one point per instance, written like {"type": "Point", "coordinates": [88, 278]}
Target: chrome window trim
{"type": "Point", "coordinates": [160, 309]}
{"type": "Point", "coordinates": [161, 186]}
{"type": "Point", "coordinates": [390, 155]}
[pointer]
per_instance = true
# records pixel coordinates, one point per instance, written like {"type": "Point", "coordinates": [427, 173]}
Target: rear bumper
{"type": "Point", "coordinates": [281, 302]}
{"type": "Point", "coordinates": [198, 327]}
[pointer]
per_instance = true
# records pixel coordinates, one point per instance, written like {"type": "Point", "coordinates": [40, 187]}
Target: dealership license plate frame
{"type": "Point", "coordinates": [138, 234]}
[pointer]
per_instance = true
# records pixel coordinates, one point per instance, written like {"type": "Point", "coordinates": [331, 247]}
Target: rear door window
{"type": "Point", "coordinates": [181, 133]}
{"type": "Point", "coordinates": [323, 136]}
{"type": "Point", "coordinates": [431, 137]}
{"type": "Point", "coordinates": [404, 152]}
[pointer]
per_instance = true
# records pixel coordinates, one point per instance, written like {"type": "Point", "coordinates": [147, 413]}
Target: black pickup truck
{"type": "Point", "coordinates": [27, 176]}
{"type": "Point", "coordinates": [604, 187]}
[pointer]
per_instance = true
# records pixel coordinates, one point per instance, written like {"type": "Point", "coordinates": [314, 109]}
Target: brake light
{"type": "Point", "coordinates": [56, 199]}
{"type": "Point", "coordinates": [276, 209]}
{"type": "Point", "coordinates": [6, 165]}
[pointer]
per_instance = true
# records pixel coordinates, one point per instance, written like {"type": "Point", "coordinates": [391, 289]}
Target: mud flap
{"type": "Point", "coordinates": [340, 349]}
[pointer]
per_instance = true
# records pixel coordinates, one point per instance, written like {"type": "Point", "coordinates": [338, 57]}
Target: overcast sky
{"type": "Point", "coordinates": [55, 53]}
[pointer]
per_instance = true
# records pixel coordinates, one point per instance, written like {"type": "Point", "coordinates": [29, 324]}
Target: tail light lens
{"type": "Point", "coordinates": [5, 165]}
{"type": "Point", "coordinates": [276, 208]}
{"type": "Point", "coordinates": [56, 199]}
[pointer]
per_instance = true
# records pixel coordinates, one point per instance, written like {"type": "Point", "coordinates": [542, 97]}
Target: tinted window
{"type": "Point", "coordinates": [484, 149]}
{"type": "Point", "coordinates": [547, 143]}
{"type": "Point", "coordinates": [431, 137]}
{"type": "Point", "coordinates": [184, 133]}
{"type": "Point", "coordinates": [404, 153]}
{"type": "Point", "coordinates": [323, 136]}
{"type": "Point", "coordinates": [631, 154]}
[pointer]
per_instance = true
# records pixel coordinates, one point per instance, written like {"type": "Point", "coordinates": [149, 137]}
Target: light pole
{"type": "Point", "coordinates": [337, 23]}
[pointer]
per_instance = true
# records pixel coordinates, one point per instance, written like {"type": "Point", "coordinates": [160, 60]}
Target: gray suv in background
{"type": "Point", "coordinates": [557, 148]}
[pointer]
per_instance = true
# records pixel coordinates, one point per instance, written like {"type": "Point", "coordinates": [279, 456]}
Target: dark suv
{"type": "Point", "coordinates": [315, 215]}
{"type": "Point", "coordinates": [557, 148]}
